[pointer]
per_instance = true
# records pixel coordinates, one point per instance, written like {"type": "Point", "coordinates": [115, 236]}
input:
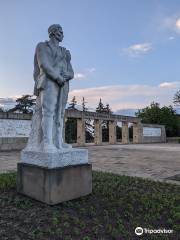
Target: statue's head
{"type": "Point", "coordinates": [56, 31]}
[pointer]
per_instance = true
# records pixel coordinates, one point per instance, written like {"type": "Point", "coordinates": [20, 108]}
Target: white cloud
{"type": "Point", "coordinates": [91, 70]}
{"type": "Point", "coordinates": [178, 23]}
{"type": "Point", "coordinates": [138, 49]}
{"type": "Point", "coordinates": [84, 74]}
{"type": "Point", "coordinates": [79, 76]}
{"type": "Point", "coordinates": [169, 84]}
{"type": "Point", "coordinates": [171, 38]}
{"type": "Point", "coordinates": [120, 96]}
{"type": "Point", "coordinates": [127, 96]}
{"type": "Point", "coordinates": [172, 23]}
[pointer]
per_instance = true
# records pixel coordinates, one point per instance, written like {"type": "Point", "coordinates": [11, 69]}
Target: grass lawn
{"type": "Point", "coordinates": [116, 207]}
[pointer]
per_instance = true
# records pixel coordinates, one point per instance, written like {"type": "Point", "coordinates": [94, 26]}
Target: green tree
{"type": "Point", "coordinates": [100, 107]}
{"type": "Point", "coordinates": [71, 125]}
{"type": "Point", "coordinates": [176, 99]}
{"type": "Point", "coordinates": [71, 130]}
{"type": "Point", "coordinates": [150, 114]}
{"type": "Point", "coordinates": [89, 130]}
{"type": "Point", "coordinates": [84, 108]}
{"type": "Point", "coordinates": [103, 109]}
{"type": "Point", "coordinates": [107, 109]}
{"type": "Point", "coordinates": [1, 110]}
{"type": "Point", "coordinates": [73, 103]}
{"type": "Point", "coordinates": [154, 114]}
{"type": "Point", "coordinates": [24, 104]}
{"type": "Point", "coordinates": [105, 124]}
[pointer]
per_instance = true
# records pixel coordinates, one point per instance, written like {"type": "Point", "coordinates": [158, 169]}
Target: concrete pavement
{"type": "Point", "coordinates": [153, 161]}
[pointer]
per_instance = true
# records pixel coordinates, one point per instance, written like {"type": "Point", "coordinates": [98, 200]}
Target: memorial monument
{"type": "Point", "coordinates": [50, 170]}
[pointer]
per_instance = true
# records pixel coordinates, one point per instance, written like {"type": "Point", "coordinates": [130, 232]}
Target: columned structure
{"type": "Point", "coordinates": [125, 133]}
{"type": "Point", "coordinates": [97, 131]}
{"type": "Point", "coordinates": [64, 127]}
{"type": "Point", "coordinates": [98, 118]}
{"type": "Point", "coordinates": [142, 133]}
{"type": "Point", "coordinates": [81, 137]}
{"type": "Point", "coordinates": [112, 132]}
{"type": "Point", "coordinates": [136, 133]}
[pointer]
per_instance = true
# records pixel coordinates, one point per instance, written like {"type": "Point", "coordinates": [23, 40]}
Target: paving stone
{"type": "Point", "coordinates": [153, 161]}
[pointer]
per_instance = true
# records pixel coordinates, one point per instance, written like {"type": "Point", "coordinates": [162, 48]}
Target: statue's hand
{"type": "Point", "coordinates": [68, 56]}
{"type": "Point", "coordinates": [60, 80]}
{"type": "Point", "coordinates": [67, 76]}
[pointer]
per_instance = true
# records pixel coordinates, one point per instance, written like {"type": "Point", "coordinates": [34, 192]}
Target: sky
{"type": "Point", "coordinates": [126, 52]}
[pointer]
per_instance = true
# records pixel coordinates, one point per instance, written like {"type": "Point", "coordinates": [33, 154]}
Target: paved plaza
{"type": "Point", "coordinates": [153, 161]}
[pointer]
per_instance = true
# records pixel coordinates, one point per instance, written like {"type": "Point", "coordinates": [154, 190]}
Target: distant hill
{"type": "Point", "coordinates": [7, 103]}
{"type": "Point", "coordinates": [126, 112]}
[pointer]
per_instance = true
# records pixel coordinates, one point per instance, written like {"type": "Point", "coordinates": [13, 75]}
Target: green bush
{"type": "Point", "coordinates": [8, 180]}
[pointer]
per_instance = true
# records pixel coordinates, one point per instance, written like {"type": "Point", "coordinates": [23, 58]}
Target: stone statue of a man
{"type": "Point", "coordinates": [52, 72]}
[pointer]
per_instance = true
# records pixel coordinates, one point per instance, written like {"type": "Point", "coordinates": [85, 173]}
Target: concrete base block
{"type": "Point", "coordinates": [61, 158]}
{"type": "Point", "coordinates": [54, 185]}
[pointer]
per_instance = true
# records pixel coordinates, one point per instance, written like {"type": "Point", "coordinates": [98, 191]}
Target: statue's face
{"type": "Point", "coordinates": [58, 34]}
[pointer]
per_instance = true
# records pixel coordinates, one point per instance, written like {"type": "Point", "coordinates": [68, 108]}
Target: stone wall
{"type": "Point", "coordinates": [16, 116]}
{"type": "Point", "coordinates": [152, 133]}
{"type": "Point", "coordinates": [12, 128]}
{"type": "Point", "coordinates": [15, 128]}
{"type": "Point", "coordinates": [173, 139]}
{"type": "Point", "coordinates": [12, 143]}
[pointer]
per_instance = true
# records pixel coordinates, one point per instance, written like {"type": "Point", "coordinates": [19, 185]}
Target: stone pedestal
{"type": "Point", "coordinates": [61, 158]}
{"type": "Point", "coordinates": [54, 185]}
{"type": "Point", "coordinates": [54, 177]}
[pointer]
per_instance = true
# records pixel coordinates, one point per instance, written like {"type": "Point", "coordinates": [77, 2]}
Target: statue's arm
{"type": "Point", "coordinates": [70, 72]}
{"type": "Point", "coordinates": [44, 62]}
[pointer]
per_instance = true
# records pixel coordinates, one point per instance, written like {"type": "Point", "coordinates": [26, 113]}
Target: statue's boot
{"type": "Point", "coordinates": [47, 143]}
{"type": "Point", "coordinates": [66, 145]}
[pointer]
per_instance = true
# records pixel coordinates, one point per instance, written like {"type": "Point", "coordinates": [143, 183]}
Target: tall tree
{"type": "Point", "coordinates": [156, 115]}
{"type": "Point", "coordinates": [73, 103]}
{"type": "Point", "coordinates": [89, 130]}
{"type": "Point", "coordinates": [150, 114]}
{"type": "Point", "coordinates": [24, 104]}
{"type": "Point", "coordinates": [103, 109]}
{"type": "Point", "coordinates": [1, 110]}
{"type": "Point", "coordinates": [105, 124]}
{"type": "Point", "coordinates": [84, 108]}
{"type": "Point", "coordinates": [176, 99]}
{"type": "Point", "coordinates": [100, 107]}
{"type": "Point", "coordinates": [71, 124]}
{"type": "Point", "coordinates": [71, 130]}
{"type": "Point", "coordinates": [107, 109]}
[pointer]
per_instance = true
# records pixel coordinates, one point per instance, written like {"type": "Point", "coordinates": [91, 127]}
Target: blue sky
{"type": "Point", "coordinates": [125, 51]}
